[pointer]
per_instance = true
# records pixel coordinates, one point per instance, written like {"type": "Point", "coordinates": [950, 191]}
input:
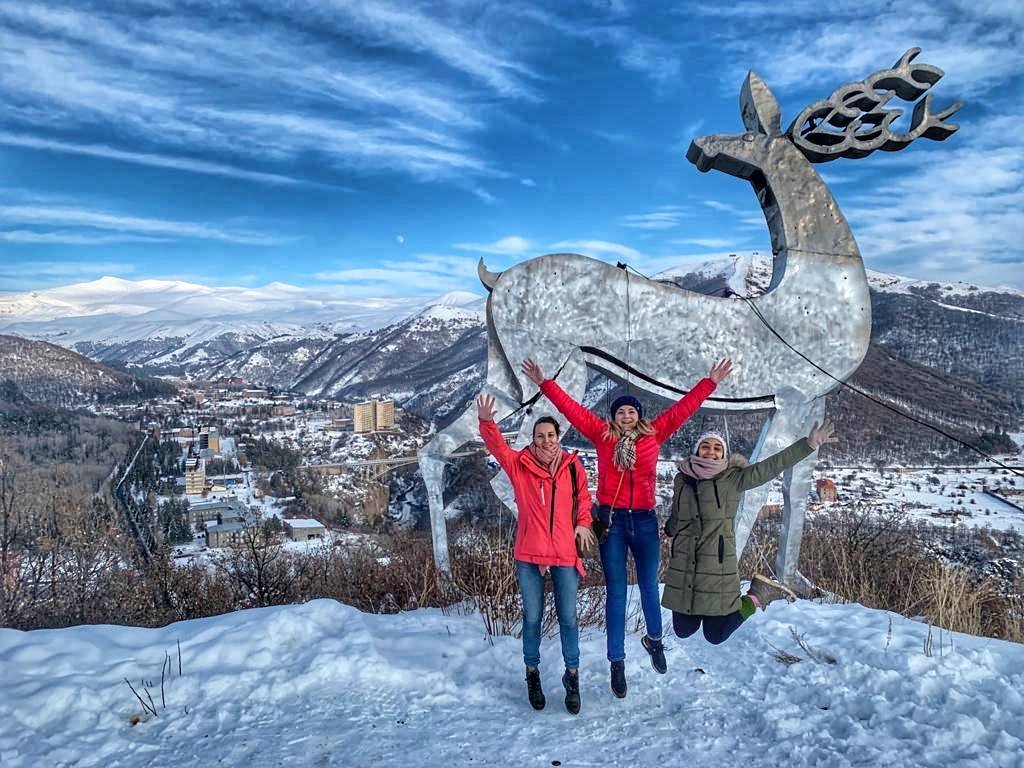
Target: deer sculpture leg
{"type": "Point", "coordinates": [796, 484]}
{"type": "Point", "coordinates": [793, 419]}
{"type": "Point", "coordinates": [433, 458]}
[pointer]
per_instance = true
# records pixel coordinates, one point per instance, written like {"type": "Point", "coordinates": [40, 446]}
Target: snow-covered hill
{"type": "Point", "coordinates": [321, 684]}
{"type": "Point", "coordinates": [52, 375]}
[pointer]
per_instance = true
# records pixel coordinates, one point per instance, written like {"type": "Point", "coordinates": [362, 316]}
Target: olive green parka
{"type": "Point", "coordinates": [702, 577]}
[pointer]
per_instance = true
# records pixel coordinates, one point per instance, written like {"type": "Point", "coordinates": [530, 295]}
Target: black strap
{"type": "Point", "coordinates": [575, 499]}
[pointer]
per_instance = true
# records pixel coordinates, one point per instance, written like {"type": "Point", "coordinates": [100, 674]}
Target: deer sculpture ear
{"type": "Point", "coordinates": [760, 110]}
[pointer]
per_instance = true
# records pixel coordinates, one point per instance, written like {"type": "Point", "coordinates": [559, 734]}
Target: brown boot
{"type": "Point", "coordinates": [764, 591]}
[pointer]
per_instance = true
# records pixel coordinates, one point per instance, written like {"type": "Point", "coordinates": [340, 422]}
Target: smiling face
{"type": "Point", "coordinates": [710, 448]}
{"type": "Point", "coordinates": [545, 437]}
{"type": "Point", "coordinates": [626, 417]}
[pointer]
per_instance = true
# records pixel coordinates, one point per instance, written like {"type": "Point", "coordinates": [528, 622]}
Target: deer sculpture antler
{"type": "Point", "coordinates": [853, 122]}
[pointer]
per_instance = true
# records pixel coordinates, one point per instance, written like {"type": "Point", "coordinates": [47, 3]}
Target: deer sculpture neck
{"type": "Point", "coordinates": [803, 217]}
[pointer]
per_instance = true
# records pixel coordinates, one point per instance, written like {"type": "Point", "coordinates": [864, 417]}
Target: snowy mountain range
{"type": "Point", "coordinates": [952, 349]}
{"type": "Point", "coordinates": [164, 323]}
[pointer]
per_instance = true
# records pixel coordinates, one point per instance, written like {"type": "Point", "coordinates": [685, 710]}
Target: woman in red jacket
{"type": "Point", "coordinates": [627, 457]}
{"type": "Point", "coordinates": [554, 511]}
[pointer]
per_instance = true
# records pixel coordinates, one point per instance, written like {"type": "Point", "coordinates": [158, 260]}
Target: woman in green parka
{"type": "Point", "coordinates": [702, 585]}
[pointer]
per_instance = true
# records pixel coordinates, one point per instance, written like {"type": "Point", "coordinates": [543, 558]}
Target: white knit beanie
{"type": "Point", "coordinates": [712, 435]}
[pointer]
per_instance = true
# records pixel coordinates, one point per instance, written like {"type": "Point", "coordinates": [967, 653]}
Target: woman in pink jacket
{"type": "Point", "coordinates": [554, 512]}
{"type": "Point", "coordinates": [627, 458]}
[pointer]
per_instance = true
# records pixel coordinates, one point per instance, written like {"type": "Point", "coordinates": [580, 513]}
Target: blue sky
{"type": "Point", "coordinates": [382, 147]}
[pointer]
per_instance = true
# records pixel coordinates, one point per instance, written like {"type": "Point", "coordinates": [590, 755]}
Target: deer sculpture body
{"type": "Point", "coordinates": [568, 311]}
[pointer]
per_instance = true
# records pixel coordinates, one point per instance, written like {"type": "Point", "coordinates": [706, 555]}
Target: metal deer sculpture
{"type": "Point", "coordinates": [791, 346]}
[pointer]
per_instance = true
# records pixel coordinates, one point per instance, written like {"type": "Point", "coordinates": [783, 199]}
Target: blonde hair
{"type": "Point", "coordinates": [644, 427]}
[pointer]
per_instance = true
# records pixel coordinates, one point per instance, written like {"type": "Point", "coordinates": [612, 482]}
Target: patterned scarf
{"type": "Point", "coordinates": [701, 469]}
{"type": "Point", "coordinates": [625, 450]}
{"type": "Point", "coordinates": [551, 460]}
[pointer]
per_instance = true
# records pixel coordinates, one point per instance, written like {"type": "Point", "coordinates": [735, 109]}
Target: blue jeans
{"type": "Point", "coordinates": [717, 629]}
{"type": "Point", "coordinates": [637, 532]}
{"type": "Point", "coordinates": [565, 579]}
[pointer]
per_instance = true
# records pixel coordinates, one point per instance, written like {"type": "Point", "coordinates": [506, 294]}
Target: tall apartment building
{"type": "Point", "coordinates": [385, 413]}
{"type": "Point", "coordinates": [209, 438]}
{"type": "Point", "coordinates": [373, 415]}
{"type": "Point", "coordinates": [195, 475]}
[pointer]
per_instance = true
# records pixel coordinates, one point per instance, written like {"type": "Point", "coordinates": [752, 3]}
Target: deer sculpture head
{"type": "Point", "coordinates": [853, 122]}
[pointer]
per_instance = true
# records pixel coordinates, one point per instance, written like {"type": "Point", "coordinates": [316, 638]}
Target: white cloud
{"type": "Point", "coordinates": [181, 92]}
{"type": "Point", "coordinates": [507, 246]}
{"type": "Point", "coordinates": [977, 44]}
{"type": "Point", "coordinates": [604, 247]}
{"type": "Point", "coordinates": [74, 238]}
{"type": "Point", "coordinates": [633, 49]}
{"type": "Point", "coordinates": [665, 217]}
{"type": "Point", "coordinates": [422, 274]}
{"type": "Point", "coordinates": [716, 243]}
{"type": "Point", "coordinates": [20, 215]}
{"type": "Point", "coordinates": [151, 159]}
{"type": "Point", "coordinates": [718, 205]}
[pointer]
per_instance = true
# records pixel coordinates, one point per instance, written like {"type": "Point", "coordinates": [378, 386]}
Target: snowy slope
{"type": "Point", "coordinates": [112, 310]}
{"type": "Point", "coordinates": [321, 684]}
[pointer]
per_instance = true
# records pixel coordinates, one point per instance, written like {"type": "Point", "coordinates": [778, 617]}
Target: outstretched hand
{"type": "Point", "coordinates": [720, 370]}
{"type": "Point", "coordinates": [819, 435]}
{"type": "Point", "coordinates": [585, 539]}
{"type": "Point", "coordinates": [485, 407]}
{"type": "Point", "coordinates": [533, 371]}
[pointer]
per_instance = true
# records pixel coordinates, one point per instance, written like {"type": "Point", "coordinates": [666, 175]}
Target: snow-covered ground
{"type": "Point", "coordinates": [975, 497]}
{"type": "Point", "coordinates": [981, 496]}
{"type": "Point", "coordinates": [322, 684]}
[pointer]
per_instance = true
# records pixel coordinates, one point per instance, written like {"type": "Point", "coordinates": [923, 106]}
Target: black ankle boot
{"type": "Point", "coordinates": [572, 692]}
{"type": "Point", "coordinates": [657, 651]}
{"type": "Point", "coordinates": [533, 689]}
{"type": "Point", "coordinates": [619, 679]}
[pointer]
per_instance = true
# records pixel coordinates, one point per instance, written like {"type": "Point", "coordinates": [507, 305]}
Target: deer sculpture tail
{"type": "Point", "coordinates": [487, 277]}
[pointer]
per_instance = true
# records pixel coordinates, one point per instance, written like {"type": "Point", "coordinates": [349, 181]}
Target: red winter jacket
{"type": "Point", "coordinates": [545, 534]}
{"type": "Point", "coordinates": [632, 488]}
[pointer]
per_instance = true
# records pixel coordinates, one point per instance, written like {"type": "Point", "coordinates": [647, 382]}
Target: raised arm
{"type": "Point", "coordinates": [673, 418]}
{"type": "Point", "coordinates": [763, 471]}
{"type": "Point", "coordinates": [590, 425]}
{"type": "Point", "coordinates": [493, 441]}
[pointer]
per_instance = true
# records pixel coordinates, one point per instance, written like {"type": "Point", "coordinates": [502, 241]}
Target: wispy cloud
{"type": "Point", "coordinates": [74, 238]}
{"type": "Point", "coordinates": [934, 232]}
{"type": "Point", "coordinates": [718, 205]}
{"type": "Point", "coordinates": [513, 245]}
{"type": "Point", "coordinates": [665, 217]}
{"type": "Point", "coordinates": [133, 226]}
{"type": "Point", "coordinates": [714, 243]}
{"type": "Point", "coordinates": [151, 159]}
{"type": "Point", "coordinates": [423, 274]}
{"type": "Point", "coordinates": [978, 44]}
{"type": "Point", "coordinates": [633, 49]}
{"type": "Point", "coordinates": [603, 247]}
{"type": "Point", "coordinates": [367, 86]}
